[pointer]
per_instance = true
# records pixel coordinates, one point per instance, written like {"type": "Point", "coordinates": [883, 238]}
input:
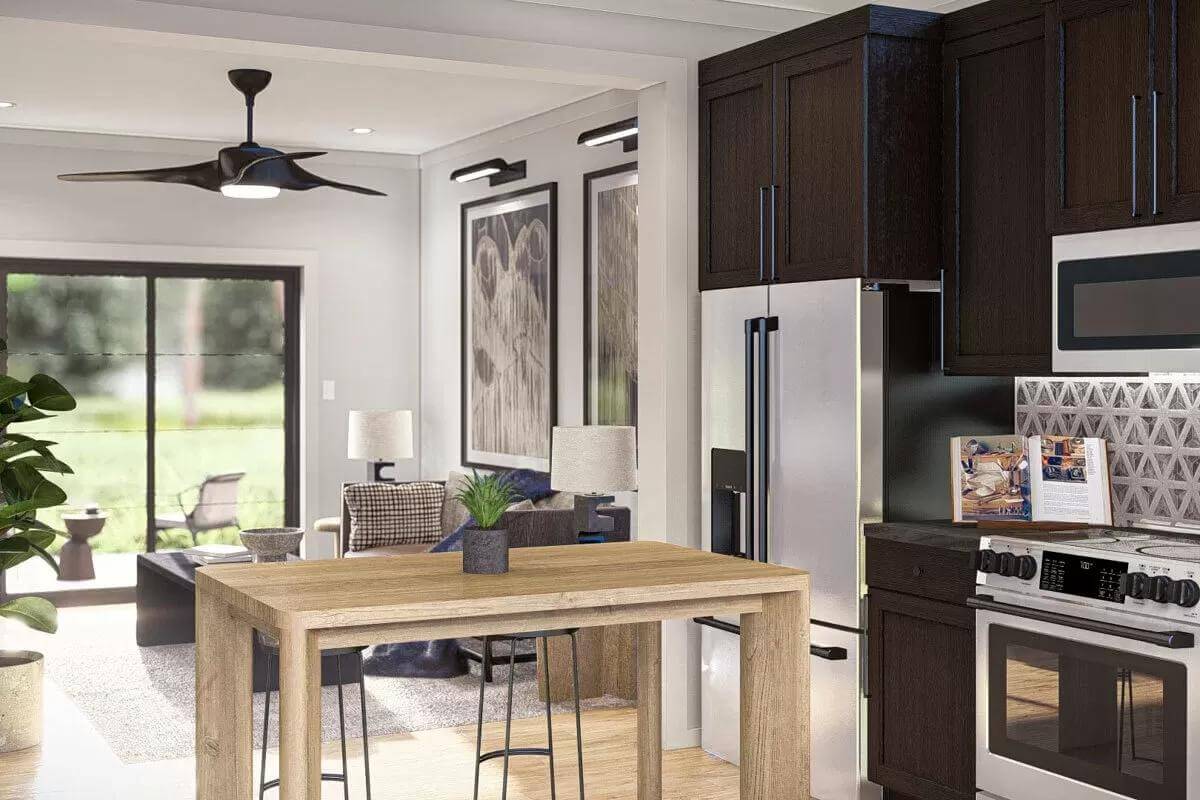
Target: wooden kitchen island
{"type": "Point", "coordinates": [316, 605]}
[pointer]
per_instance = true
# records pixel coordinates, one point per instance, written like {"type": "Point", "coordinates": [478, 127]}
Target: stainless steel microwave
{"type": "Point", "coordinates": [1128, 300]}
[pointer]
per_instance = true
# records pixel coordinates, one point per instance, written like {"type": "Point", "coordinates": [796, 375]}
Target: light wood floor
{"type": "Point", "coordinates": [73, 763]}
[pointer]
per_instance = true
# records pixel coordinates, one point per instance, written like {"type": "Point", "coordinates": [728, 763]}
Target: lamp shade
{"type": "Point", "coordinates": [593, 458]}
{"type": "Point", "coordinates": [379, 435]}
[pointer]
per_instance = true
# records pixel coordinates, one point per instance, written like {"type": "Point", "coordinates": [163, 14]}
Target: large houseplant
{"type": "Point", "coordinates": [486, 498]}
{"type": "Point", "coordinates": [24, 490]}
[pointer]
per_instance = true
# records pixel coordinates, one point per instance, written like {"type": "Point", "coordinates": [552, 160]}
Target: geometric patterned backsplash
{"type": "Point", "coordinates": [1153, 430]}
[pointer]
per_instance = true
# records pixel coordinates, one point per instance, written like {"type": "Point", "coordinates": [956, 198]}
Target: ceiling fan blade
{"type": "Point", "coordinates": [303, 180]}
{"type": "Point", "coordinates": [202, 175]}
{"type": "Point", "coordinates": [236, 162]}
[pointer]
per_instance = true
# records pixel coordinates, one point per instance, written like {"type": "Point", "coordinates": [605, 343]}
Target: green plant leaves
{"type": "Point", "coordinates": [37, 613]}
{"type": "Point", "coordinates": [24, 545]}
{"type": "Point", "coordinates": [27, 490]}
{"type": "Point", "coordinates": [48, 394]}
{"type": "Point", "coordinates": [10, 387]}
{"type": "Point", "coordinates": [487, 497]}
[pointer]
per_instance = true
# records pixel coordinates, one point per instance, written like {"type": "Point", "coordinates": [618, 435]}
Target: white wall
{"type": "Point", "coordinates": [548, 145]}
{"type": "Point", "coordinates": [365, 292]}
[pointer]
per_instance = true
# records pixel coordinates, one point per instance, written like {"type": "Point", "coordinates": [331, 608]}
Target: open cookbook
{"type": "Point", "coordinates": [1030, 479]}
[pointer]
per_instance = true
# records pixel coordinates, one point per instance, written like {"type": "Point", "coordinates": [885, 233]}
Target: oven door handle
{"type": "Point", "coordinates": [1173, 640]}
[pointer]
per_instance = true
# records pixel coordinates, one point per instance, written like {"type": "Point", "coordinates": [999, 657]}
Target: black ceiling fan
{"type": "Point", "coordinates": [248, 170]}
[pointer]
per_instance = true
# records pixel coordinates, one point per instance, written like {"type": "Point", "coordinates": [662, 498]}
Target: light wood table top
{"type": "Point", "coordinates": [319, 605]}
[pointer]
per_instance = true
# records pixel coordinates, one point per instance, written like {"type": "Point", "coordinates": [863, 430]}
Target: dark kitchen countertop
{"type": "Point", "coordinates": [941, 534]}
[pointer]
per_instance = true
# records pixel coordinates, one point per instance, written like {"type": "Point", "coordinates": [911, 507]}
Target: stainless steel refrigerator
{"type": "Point", "coordinates": [824, 408]}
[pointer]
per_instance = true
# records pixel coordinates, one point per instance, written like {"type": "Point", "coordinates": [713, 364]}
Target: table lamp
{"type": "Point", "coordinates": [591, 461]}
{"type": "Point", "coordinates": [380, 438]}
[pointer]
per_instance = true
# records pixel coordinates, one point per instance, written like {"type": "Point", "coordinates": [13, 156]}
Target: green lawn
{"type": "Point", "coordinates": [104, 441]}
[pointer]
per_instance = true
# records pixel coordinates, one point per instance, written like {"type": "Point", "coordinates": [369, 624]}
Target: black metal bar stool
{"type": "Point", "coordinates": [548, 750]}
{"type": "Point", "coordinates": [271, 650]}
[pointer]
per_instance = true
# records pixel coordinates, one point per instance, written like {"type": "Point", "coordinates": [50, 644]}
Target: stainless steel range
{"type": "Point", "coordinates": [1086, 665]}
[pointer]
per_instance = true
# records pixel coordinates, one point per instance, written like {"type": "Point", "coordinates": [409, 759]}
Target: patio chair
{"type": "Point", "coordinates": [216, 507]}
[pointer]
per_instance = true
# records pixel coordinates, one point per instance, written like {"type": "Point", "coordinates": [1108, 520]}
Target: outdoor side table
{"type": "Point", "coordinates": [75, 560]}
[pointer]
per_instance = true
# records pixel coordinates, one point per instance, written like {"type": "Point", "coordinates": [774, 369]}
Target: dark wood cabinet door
{"type": "Point", "coordinates": [819, 121]}
{"type": "Point", "coordinates": [921, 709]}
{"type": "Point", "coordinates": [735, 176]}
{"type": "Point", "coordinates": [996, 295]}
{"type": "Point", "coordinates": [1175, 192]}
{"type": "Point", "coordinates": [1098, 113]}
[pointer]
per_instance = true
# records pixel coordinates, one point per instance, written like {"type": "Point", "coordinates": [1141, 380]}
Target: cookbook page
{"type": "Point", "coordinates": [990, 478]}
{"type": "Point", "coordinates": [1071, 482]}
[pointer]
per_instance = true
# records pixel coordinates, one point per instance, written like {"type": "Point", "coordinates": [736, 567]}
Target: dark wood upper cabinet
{"type": "Point", "coordinates": [853, 147]}
{"type": "Point", "coordinates": [735, 176]}
{"type": "Point", "coordinates": [1098, 113]}
{"type": "Point", "coordinates": [819, 158]}
{"type": "Point", "coordinates": [996, 250]}
{"type": "Point", "coordinates": [1175, 112]}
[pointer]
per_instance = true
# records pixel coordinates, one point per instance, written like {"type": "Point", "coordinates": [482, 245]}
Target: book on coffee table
{"type": "Point", "coordinates": [1034, 479]}
{"type": "Point", "coordinates": [217, 554]}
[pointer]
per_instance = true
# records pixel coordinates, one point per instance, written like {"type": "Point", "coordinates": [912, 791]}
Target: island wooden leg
{"type": "Point", "coordinates": [775, 700]}
{"type": "Point", "coordinates": [223, 702]}
{"type": "Point", "coordinates": [649, 710]}
{"type": "Point", "coordinates": [299, 716]}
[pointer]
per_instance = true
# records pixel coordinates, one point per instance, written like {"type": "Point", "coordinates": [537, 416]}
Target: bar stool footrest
{"type": "Point", "coordinates": [325, 776]}
{"type": "Point", "coordinates": [515, 751]}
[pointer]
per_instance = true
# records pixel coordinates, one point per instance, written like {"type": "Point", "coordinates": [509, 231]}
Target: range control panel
{"type": "Point", "coordinates": [1126, 582]}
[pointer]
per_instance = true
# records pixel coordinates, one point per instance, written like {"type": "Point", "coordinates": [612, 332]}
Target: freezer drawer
{"type": "Point", "coordinates": [838, 711]}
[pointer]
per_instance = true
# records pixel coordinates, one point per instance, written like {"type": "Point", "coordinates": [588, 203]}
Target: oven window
{"type": "Point", "coordinates": [1114, 719]}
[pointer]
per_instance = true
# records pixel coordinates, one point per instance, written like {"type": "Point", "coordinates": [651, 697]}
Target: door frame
{"type": "Point", "coordinates": [296, 268]}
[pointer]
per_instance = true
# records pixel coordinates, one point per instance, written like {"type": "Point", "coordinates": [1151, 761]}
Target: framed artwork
{"type": "Point", "coordinates": [610, 262]}
{"type": "Point", "coordinates": [509, 351]}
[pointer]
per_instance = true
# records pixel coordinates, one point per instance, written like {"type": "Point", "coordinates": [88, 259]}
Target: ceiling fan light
{"type": "Point", "coordinates": [7, 104]}
{"type": "Point", "coordinates": [250, 191]}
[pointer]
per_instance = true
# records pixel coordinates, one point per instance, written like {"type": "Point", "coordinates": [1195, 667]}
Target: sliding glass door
{"type": "Point", "coordinates": [186, 380]}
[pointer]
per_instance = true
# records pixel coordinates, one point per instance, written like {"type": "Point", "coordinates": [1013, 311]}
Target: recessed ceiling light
{"type": "Point", "coordinates": [362, 131]}
{"type": "Point", "coordinates": [7, 104]}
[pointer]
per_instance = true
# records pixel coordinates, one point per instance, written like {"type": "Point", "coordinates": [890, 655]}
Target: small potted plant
{"type": "Point", "coordinates": [485, 547]}
{"type": "Point", "coordinates": [24, 490]}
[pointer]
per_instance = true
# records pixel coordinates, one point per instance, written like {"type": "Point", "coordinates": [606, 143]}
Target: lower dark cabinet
{"type": "Point", "coordinates": [921, 710]}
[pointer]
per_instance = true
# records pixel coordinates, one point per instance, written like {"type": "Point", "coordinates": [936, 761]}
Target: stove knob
{"type": "Point", "coordinates": [1160, 589]}
{"type": "Point", "coordinates": [985, 561]}
{"type": "Point", "coordinates": [1026, 567]}
{"type": "Point", "coordinates": [1136, 585]}
{"type": "Point", "coordinates": [1185, 593]}
{"type": "Point", "coordinates": [1006, 564]}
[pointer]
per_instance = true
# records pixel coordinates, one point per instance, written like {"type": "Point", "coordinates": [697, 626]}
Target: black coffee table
{"type": "Point", "coordinates": [166, 614]}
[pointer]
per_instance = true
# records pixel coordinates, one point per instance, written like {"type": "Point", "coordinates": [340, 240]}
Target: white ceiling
{"type": "Point", "coordinates": [80, 78]}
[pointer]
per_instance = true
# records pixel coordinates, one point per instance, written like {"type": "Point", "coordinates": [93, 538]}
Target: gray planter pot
{"type": "Point", "coordinates": [485, 552]}
{"type": "Point", "coordinates": [20, 699]}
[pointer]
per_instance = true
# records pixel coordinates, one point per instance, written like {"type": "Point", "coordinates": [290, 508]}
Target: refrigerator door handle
{"type": "Point", "coordinates": [751, 433]}
{"type": "Point", "coordinates": [766, 325]}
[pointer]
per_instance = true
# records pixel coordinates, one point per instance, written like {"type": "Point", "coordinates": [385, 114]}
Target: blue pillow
{"type": "Point", "coordinates": [529, 484]}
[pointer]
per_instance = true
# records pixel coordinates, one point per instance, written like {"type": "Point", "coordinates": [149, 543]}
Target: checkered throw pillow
{"type": "Point", "coordinates": [383, 514]}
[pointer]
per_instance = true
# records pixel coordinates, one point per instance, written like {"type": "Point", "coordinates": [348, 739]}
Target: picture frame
{"type": "Point", "coordinates": [509, 328]}
{"type": "Point", "coordinates": [610, 295]}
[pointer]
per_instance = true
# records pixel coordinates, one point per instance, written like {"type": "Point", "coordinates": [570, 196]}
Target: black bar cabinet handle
{"type": "Point", "coordinates": [762, 229]}
{"type": "Point", "coordinates": [1133, 158]}
{"type": "Point", "coordinates": [820, 651]}
{"type": "Point", "coordinates": [774, 219]}
{"type": "Point", "coordinates": [751, 430]}
{"type": "Point", "coordinates": [1172, 640]}
{"type": "Point", "coordinates": [1154, 210]}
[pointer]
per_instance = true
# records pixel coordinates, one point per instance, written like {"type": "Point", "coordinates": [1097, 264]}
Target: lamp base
{"type": "Point", "coordinates": [587, 518]}
{"type": "Point", "coordinates": [375, 471]}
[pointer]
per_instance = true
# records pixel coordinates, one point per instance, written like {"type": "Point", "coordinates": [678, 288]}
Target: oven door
{"type": "Point", "coordinates": [1072, 714]}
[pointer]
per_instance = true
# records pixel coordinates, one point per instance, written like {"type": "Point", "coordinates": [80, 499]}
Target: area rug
{"type": "Point", "coordinates": [141, 699]}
